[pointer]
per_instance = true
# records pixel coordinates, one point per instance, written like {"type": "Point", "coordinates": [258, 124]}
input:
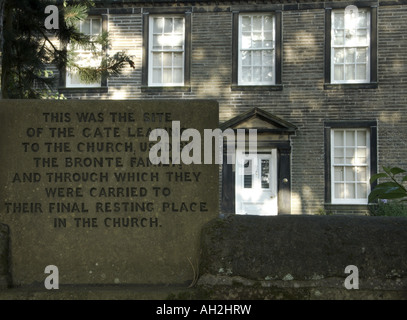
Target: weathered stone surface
{"type": "Point", "coordinates": [283, 253]}
{"type": "Point", "coordinates": [4, 255]}
{"type": "Point", "coordinates": [78, 191]}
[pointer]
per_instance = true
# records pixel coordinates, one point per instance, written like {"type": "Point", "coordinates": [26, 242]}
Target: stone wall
{"type": "Point", "coordinates": [4, 256]}
{"type": "Point", "coordinates": [304, 257]}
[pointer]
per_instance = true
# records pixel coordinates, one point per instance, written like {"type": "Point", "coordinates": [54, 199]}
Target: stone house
{"type": "Point", "coordinates": [324, 83]}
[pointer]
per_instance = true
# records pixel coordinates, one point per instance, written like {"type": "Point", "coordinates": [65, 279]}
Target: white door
{"type": "Point", "coordinates": [256, 183]}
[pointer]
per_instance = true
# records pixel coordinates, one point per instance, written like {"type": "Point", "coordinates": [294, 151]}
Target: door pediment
{"type": "Point", "coordinates": [262, 121]}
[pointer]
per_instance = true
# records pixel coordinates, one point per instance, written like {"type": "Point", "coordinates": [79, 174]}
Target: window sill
{"type": "Point", "coordinates": [70, 90]}
{"type": "Point", "coordinates": [276, 87]}
{"type": "Point", "coordinates": [344, 86]}
{"type": "Point", "coordinates": [166, 89]}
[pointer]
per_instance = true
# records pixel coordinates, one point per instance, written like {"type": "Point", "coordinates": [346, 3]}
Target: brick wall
{"type": "Point", "coordinates": [303, 100]}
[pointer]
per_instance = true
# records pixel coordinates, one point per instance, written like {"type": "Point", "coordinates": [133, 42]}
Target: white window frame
{"type": "Point", "coordinates": [367, 165]}
{"type": "Point", "coordinates": [262, 49]}
{"type": "Point", "coordinates": [69, 83]}
{"type": "Point", "coordinates": [350, 46]}
{"type": "Point", "coordinates": [151, 52]}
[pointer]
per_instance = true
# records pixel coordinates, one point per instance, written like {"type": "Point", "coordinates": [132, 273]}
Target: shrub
{"type": "Point", "coordinates": [389, 209]}
{"type": "Point", "coordinates": [391, 188]}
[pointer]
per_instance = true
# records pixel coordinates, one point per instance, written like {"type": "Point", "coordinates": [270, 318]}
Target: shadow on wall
{"type": "Point", "coordinates": [5, 279]}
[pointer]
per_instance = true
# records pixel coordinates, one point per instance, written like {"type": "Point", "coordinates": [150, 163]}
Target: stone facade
{"type": "Point", "coordinates": [304, 99]}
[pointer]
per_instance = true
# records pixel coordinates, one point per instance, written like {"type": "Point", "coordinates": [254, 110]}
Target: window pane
{"type": "Point", "coordinates": [265, 173]}
{"type": "Point", "coordinates": [338, 37]}
{"type": "Point", "coordinates": [247, 74]}
{"type": "Point", "coordinates": [75, 79]}
{"type": "Point", "coordinates": [167, 59]}
{"type": "Point", "coordinates": [268, 23]}
{"type": "Point", "coordinates": [96, 26]}
{"type": "Point", "coordinates": [178, 61]}
{"type": "Point", "coordinates": [338, 155]}
{"type": "Point", "coordinates": [361, 156]}
{"type": "Point", "coordinates": [338, 138]}
{"type": "Point", "coordinates": [339, 190]}
{"type": "Point", "coordinates": [178, 75]}
{"type": "Point", "coordinates": [157, 59]}
{"type": "Point", "coordinates": [257, 40]}
{"type": "Point", "coordinates": [257, 74]}
{"type": "Point", "coordinates": [350, 156]}
{"type": "Point", "coordinates": [361, 55]}
{"type": "Point", "coordinates": [157, 42]}
{"type": "Point", "coordinates": [350, 174]}
{"type": "Point", "coordinates": [338, 21]}
{"type": "Point", "coordinates": [361, 141]}
{"type": "Point", "coordinates": [268, 40]}
{"type": "Point", "coordinates": [168, 25]}
{"type": "Point", "coordinates": [175, 42]}
{"type": "Point", "coordinates": [268, 58]}
{"type": "Point", "coordinates": [361, 174]}
{"type": "Point", "coordinates": [248, 179]}
{"type": "Point", "coordinates": [256, 58]}
{"type": "Point", "coordinates": [362, 190]}
{"type": "Point", "coordinates": [350, 138]}
{"type": "Point", "coordinates": [350, 191]}
{"type": "Point", "coordinates": [360, 72]}
{"type": "Point", "coordinates": [246, 40]}
{"type": "Point", "coordinates": [158, 24]}
{"type": "Point", "coordinates": [351, 38]}
{"type": "Point", "coordinates": [246, 58]}
{"type": "Point", "coordinates": [156, 75]}
{"type": "Point", "coordinates": [246, 23]}
{"type": "Point", "coordinates": [257, 23]}
{"type": "Point", "coordinates": [338, 174]}
{"type": "Point", "coordinates": [361, 37]}
{"type": "Point", "coordinates": [338, 55]}
{"type": "Point", "coordinates": [167, 75]}
{"type": "Point", "coordinates": [267, 74]}
{"type": "Point", "coordinates": [338, 72]}
{"type": "Point", "coordinates": [179, 25]}
{"type": "Point", "coordinates": [350, 72]}
{"type": "Point", "coordinates": [350, 55]}
{"type": "Point", "coordinates": [86, 26]}
{"type": "Point", "coordinates": [362, 19]}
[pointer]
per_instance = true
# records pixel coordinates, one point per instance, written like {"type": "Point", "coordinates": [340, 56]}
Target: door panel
{"type": "Point", "coordinates": [256, 183]}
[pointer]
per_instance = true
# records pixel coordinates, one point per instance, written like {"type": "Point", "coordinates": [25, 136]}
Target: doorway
{"type": "Point", "coordinates": [256, 183]}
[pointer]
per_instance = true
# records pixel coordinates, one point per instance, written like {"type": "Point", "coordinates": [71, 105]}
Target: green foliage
{"type": "Point", "coordinates": [29, 48]}
{"type": "Point", "coordinates": [390, 209]}
{"type": "Point", "coordinates": [391, 188]}
{"type": "Point", "coordinates": [322, 212]}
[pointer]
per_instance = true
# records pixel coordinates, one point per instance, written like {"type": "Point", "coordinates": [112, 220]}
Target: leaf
{"type": "Point", "coordinates": [395, 195]}
{"type": "Point", "coordinates": [387, 170]}
{"type": "Point", "coordinates": [378, 176]}
{"type": "Point", "coordinates": [388, 185]}
{"type": "Point", "coordinates": [387, 190]}
{"type": "Point", "coordinates": [396, 170]}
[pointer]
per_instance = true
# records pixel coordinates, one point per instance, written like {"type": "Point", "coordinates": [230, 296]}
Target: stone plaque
{"type": "Point", "coordinates": [80, 192]}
